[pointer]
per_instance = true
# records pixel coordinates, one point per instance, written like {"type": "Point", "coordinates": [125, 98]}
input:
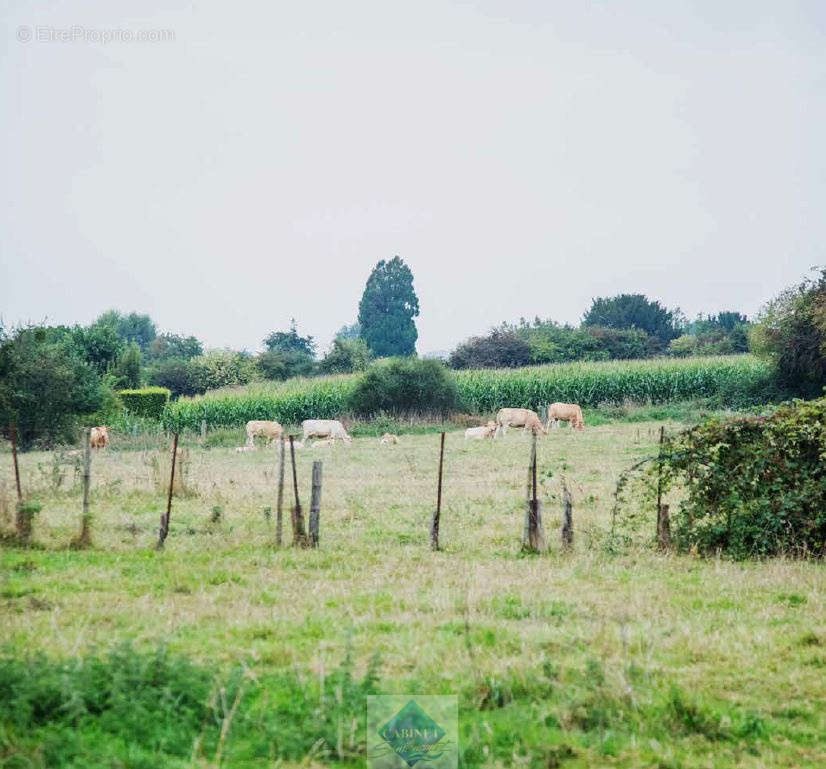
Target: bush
{"type": "Point", "coordinates": [181, 376]}
{"type": "Point", "coordinates": [346, 356]}
{"type": "Point", "coordinates": [45, 385]}
{"type": "Point", "coordinates": [405, 385]}
{"type": "Point", "coordinates": [148, 402]}
{"type": "Point", "coordinates": [222, 368]}
{"type": "Point", "coordinates": [755, 486]}
{"type": "Point", "coordinates": [502, 348]}
{"type": "Point", "coordinates": [791, 333]}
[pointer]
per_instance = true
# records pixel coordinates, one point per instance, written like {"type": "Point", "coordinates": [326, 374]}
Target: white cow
{"type": "Point", "coordinates": [324, 428]}
{"type": "Point", "coordinates": [481, 433]}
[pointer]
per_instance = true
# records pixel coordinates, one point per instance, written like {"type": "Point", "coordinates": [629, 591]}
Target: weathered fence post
{"type": "Point", "coordinates": [164, 530]}
{"type": "Point", "coordinates": [437, 515]}
{"type": "Point", "coordinates": [567, 517]}
{"type": "Point", "coordinates": [534, 542]}
{"type": "Point", "coordinates": [299, 532]}
{"type": "Point", "coordinates": [85, 537]}
{"type": "Point", "coordinates": [203, 430]}
{"type": "Point", "coordinates": [664, 528]}
{"type": "Point", "coordinates": [13, 439]}
{"type": "Point", "coordinates": [315, 503]}
{"type": "Point", "coordinates": [663, 521]}
{"type": "Point", "coordinates": [279, 518]}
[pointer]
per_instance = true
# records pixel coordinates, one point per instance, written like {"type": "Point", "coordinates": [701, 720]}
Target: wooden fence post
{"type": "Point", "coordinates": [299, 533]}
{"type": "Point", "coordinates": [663, 522]}
{"type": "Point", "coordinates": [535, 540]}
{"type": "Point", "coordinates": [279, 518]}
{"type": "Point", "coordinates": [437, 515]}
{"type": "Point", "coordinates": [663, 528]}
{"type": "Point", "coordinates": [567, 517]}
{"type": "Point", "coordinates": [164, 530]}
{"type": "Point", "coordinates": [203, 430]}
{"type": "Point", "coordinates": [315, 503]}
{"type": "Point", "coordinates": [13, 439]}
{"type": "Point", "coordinates": [85, 537]}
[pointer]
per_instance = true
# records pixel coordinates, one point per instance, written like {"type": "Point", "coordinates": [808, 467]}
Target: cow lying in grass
{"type": "Point", "coordinates": [566, 412]}
{"type": "Point", "coordinates": [525, 418]}
{"type": "Point", "coordinates": [481, 433]}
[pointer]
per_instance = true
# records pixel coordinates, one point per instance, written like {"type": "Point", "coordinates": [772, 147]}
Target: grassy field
{"type": "Point", "coordinates": [243, 655]}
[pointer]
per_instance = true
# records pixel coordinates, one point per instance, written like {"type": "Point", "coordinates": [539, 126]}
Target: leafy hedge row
{"type": "Point", "coordinates": [754, 486]}
{"type": "Point", "coordinates": [732, 380]}
{"type": "Point", "coordinates": [146, 402]}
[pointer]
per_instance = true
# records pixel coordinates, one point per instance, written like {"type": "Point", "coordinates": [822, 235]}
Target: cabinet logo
{"type": "Point", "coordinates": [405, 731]}
{"type": "Point", "coordinates": [413, 734]}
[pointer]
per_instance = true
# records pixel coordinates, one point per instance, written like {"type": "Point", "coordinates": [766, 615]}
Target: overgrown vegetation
{"type": "Point", "coordinates": [755, 486]}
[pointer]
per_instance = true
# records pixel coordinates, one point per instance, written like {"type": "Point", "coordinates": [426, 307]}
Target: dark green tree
{"type": "Point", "coordinates": [165, 346]}
{"type": "Point", "coordinates": [387, 309]}
{"type": "Point", "coordinates": [127, 369]}
{"type": "Point", "coordinates": [346, 356]}
{"type": "Point", "coordinates": [290, 341]}
{"type": "Point", "coordinates": [133, 327]}
{"type": "Point", "coordinates": [288, 354]}
{"type": "Point", "coordinates": [634, 311]}
{"type": "Point", "coordinates": [791, 332]}
{"type": "Point", "coordinates": [100, 345]}
{"type": "Point", "coordinates": [45, 384]}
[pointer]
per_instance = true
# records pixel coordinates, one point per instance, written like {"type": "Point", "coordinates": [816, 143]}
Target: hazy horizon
{"type": "Point", "coordinates": [521, 158]}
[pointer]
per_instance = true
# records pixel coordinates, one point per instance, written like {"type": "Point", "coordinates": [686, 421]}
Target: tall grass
{"type": "Point", "coordinates": [729, 380]}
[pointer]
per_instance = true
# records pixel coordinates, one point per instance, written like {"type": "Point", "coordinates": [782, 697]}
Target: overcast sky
{"type": "Point", "coordinates": [521, 157]}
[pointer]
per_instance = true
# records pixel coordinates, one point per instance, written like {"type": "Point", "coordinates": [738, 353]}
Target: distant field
{"type": "Point", "coordinates": [729, 380]}
{"type": "Point", "coordinates": [565, 660]}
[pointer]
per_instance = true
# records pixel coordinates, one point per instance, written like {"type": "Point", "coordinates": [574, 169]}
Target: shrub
{"type": "Point", "coordinates": [45, 384]}
{"type": "Point", "coordinates": [791, 333]}
{"type": "Point", "coordinates": [346, 356]}
{"type": "Point", "coordinates": [181, 376]}
{"type": "Point", "coordinates": [223, 368]}
{"type": "Point", "coordinates": [502, 348]}
{"type": "Point", "coordinates": [755, 486]}
{"type": "Point", "coordinates": [405, 385]}
{"type": "Point", "coordinates": [147, 402]}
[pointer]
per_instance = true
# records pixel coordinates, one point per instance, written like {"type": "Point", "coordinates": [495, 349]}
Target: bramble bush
{"type": "Point", "coordinates": [755, 486]}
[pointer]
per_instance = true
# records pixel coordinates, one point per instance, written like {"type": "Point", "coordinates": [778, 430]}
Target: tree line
{"type": "Point", "coordinates": [51, 374]}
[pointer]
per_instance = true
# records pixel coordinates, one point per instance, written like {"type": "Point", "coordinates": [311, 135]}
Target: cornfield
{"type": "Point", "coordinates": [731, 380]}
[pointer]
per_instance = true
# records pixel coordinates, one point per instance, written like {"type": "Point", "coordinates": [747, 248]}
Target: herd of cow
{"type": "Point", "coordinates": [325, 432]}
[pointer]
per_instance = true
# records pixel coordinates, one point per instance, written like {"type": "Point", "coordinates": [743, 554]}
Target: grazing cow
{"type": "Point", "coordinates": [388, 439]}
{"type": "Point", "coordinates": [324, 442]}
{"type": "Point", "coordinates": [526, 418]}
{"type": "Point", "coordinates": [565, 412]}
{"type": "Point", "coordinates": [324, 428]}
{"type": "Point", "coordinates": [270, 430]}
{"type": "Point", "coordinates": [99, 437]}
{"type": "Point", "coordinates": [481, 433]}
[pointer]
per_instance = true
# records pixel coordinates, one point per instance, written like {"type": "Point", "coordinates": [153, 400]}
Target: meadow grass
{"type": "Point", "coordinates": [568, 659]}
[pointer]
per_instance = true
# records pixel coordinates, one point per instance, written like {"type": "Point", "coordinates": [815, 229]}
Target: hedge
{"type": "Point", "coordinates": [146, 402]}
